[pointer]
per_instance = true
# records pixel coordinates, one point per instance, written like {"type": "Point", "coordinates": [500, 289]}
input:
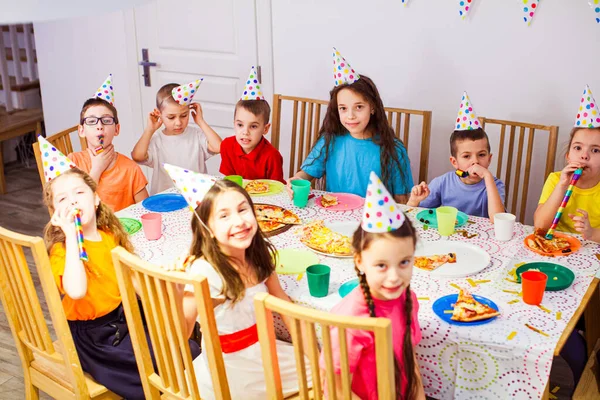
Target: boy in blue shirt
{"type": "Point", "coordinates": [471, 188]}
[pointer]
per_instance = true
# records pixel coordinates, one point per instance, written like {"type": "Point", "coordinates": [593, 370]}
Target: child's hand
{"type": "Point", "coordinates": [288, 188]}
{"type": "Point", "coordinates": [479, 171]}
{"type": "Point", "coordinates": [197, 113]}
{"type": "Point", "coordinates": [582, 224]}
{"type": "Point", "coordinates": [64, 218]}
{"type": "Point", "coordinates": [101, 161]}
{"type": "Point", "coordinates": [418, 193]}
{"type": "Point", "coordinates": [567, 173]}
{"type": "Point", "coordinates": [154, 121]}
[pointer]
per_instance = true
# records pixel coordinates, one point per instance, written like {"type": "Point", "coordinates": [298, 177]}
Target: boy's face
{"type": "Point", "coordinates": [585, 150]}
{"type": "Point", "coordinates": [93, 133]}
{"type": "Point", "coordinates": [249, 129]}
{"type": "Point", "coordinates": [175, 117]}
{"type": "Point", "coordinates": [471, 152]}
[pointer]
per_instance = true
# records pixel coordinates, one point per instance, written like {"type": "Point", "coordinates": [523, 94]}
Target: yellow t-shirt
{"type": "Point", "coordinates": [103, 294]}
{"type": "Point", "coordinates": [585, 199]}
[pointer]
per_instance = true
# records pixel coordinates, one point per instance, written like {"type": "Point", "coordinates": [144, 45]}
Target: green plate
{"type": "Point", "coordinates": [131, 225]}
{"type": "Point", "coordinates": [275, 187]}
{"type": "Point", "coordinates": [290, 261]}
{"type": "Point", "coordinates": [461, 218]}
{"type": "Point", "coordinates": [559, 277]}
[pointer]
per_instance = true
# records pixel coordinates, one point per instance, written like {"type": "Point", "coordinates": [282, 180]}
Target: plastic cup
{"type": "Point", "coordinates": [301, 189]}
{"type": "Point", "coordinates": [235, 178]}
{"type": "Point", "coordinates": [504, 224]}
{"type": "Point", "coordinates": [152, 224]}
{"type": "Point", "coordinates": [446, 220]}
{"type": "Point", "coordinates": [318, 280]}
{"type": "Point", "coordinates": [533, 286]}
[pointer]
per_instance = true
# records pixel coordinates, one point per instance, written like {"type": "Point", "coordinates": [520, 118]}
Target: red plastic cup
{"type": "Point", "coordinates": [152, 224]}
{"type": "Point", "coordinates": [534, 285]}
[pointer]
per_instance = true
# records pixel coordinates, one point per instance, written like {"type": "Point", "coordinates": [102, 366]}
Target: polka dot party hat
{"type": "Point", "coordinates": [184, 94]}
{"type": "Point", "coordinates": [252, 90]}
{"type": "Point", "coordinates": [588, 115]}
{"type": "Point", "coordinates": [343, 73]}
{"type": "Point", "coordinates": [53, 161]}
{"type": "Point", "coordinates": [466, 119]}
{"type": "Point", "coordinates": [105, 91]}
{"type": "Point", "coordinates": [381, 213]}
{"type": "Point", "coordinates": [463, 8]}
{"type": "Point", "coordinates": [595, 4]}
{"type": "Point", "coordinates": [529, 9]}
{"type": "Point", "coordinates": [192, 185]}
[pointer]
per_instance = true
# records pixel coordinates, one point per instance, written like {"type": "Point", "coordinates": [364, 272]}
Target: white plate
{"type": "Point", "coordinates": [346, 228]}
{"type": "Point", "coordinates": [470, 259]}
{"type": "Point", "coordinates": [327, 254]}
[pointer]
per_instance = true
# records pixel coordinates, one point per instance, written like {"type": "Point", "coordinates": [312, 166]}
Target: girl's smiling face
{"type": "Point", "coordinates": [232, 222]}
{"type": "Point", "coordinates": [354, 111]}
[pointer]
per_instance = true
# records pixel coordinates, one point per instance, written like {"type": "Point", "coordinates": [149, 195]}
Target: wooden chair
{"type": "Point", "coordinates": [518, 164]}
{"type": "Point", "coordinates": [309, 112]}
{"type": "Point", "coordinates": [304, 320]}
{"type": "Point", "coordinates": [62, 141]}
{"type": "Point", "coordinates": [51, 367]}
{"type": "Point", "coordinates": [166, 326]}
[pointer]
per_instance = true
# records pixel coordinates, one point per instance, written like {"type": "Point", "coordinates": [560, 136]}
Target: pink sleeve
{"type": "Point", "coordinates": [415, 327]}
{"type": "Point", "coordinates": [356, 341]}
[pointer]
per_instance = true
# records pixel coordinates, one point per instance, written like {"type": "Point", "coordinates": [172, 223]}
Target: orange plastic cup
{"type": "Point", "coordinates": [534, 285]}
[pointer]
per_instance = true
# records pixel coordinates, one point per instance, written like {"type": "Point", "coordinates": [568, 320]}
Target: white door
{"type": "Point", "coordinates": [216, 40]}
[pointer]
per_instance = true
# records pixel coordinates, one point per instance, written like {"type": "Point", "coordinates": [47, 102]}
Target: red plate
{"type": "Point", "coordinates": [346, 202]}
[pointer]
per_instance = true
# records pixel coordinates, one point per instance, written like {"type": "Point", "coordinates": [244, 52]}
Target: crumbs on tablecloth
{"type": "Point", "coordinates": [511, 336]}
{"type": "Point", "coordinates": [558, 315]}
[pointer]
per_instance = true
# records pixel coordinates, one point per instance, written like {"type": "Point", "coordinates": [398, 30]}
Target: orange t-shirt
{"type": "Point", "coordinates": [103, 294]}
{"type": "Point", "coordinates": [118, 185]}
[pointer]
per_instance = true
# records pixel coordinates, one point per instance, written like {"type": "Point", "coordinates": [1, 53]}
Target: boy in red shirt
{"type": "Point", "coordinates": [248, 153]}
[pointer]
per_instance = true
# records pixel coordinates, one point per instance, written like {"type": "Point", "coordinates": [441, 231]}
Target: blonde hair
{"type": "Point", "coordinates": [106, 220]}
{"type": "Point", "coordinates": [164, 94]}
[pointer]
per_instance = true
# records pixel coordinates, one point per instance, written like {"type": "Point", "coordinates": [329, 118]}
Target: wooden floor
{"type": "Point", "coordinates": [21, 210]}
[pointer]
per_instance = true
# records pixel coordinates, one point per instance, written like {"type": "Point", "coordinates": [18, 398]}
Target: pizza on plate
{"type": "Point", "coordinates": [328, 200]}
{"type": "Point", "coordinates": [268, 212]}
{"type": "Point", "coordinates": [269, 226]}
{"type": "Point", "coordinates": [467, 309]}
{"type": "Point", "coordinates": [431, 263]}
{"type": "Point", "coordinates": [317, 236]}
{"type": "Point", "coordinates": [539, 242]}
{"type": "Point", "coordinates": [257, 187]}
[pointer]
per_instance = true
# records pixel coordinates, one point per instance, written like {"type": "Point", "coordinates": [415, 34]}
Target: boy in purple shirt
{"type": "Point", "coordinates": [477, 192]}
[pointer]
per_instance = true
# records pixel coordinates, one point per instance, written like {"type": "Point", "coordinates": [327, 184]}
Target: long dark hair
{"type": "Point", "coordinates": [259, 254]}
{"type": "Point", "coordinates": [360, 242]}
{"type": "Point", "coordinates": [383, 134]}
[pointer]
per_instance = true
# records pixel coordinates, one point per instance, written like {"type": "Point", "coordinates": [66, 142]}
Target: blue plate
{"type": "Point", "coordinates": [165, 202]}
{"type": "Point", "coordinates": [425, 215]}
{"type": "Point", "coordinates": [446, 303]}
{"type": "Point", "coordinates": [347, 287]}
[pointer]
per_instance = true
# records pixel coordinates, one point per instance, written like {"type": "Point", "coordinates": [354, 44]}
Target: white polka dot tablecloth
{"type": "Point", "coordinates": [498, 360]}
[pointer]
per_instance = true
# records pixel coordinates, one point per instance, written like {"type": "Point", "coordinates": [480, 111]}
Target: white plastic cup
{"type": "Point", "coordinates": [504, 224]}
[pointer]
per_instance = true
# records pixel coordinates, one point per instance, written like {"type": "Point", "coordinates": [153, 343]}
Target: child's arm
{"type": "Point", "coordinates": [418, 194]}
{"type": "Point", "coordinates": [141, 195]}
{"type": "Point", "coordinates": [140, 150]}
{"type": "Point", "coordinates": [74, 278]}
{"type": "Point", "coordinates": [214, 140]}
{"type": "Point", "coordinates": [299, 175]}
{"type": "Point", "coordinates": [583, 226]}
{"type": "Point", "coordinates": [545, 212]}
{"type": "Point", "coordinates": [401, 198]}
{"type": "Point", "coordinates": [495, 205]}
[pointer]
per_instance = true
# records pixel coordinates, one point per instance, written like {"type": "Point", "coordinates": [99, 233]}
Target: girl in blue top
{"type": "Point", "coordinates": [356, 139]}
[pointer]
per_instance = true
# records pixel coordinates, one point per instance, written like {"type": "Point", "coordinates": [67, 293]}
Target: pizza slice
{"type": "Point", "coordinates": [257, 187]}
{"type": "Point", "coordinates": [467, 309]}
{"type": "Point", "coordinates": [328, 200]}
{"type": "Point", "coordinates": [268, 212]}
{"type": "Point", "coordinates": [269, 226]}
{"type": "Point", "coordinates": [317, 236]}
{"type": "Point", "coordinates": [539, 242]}
{"type": "Point", "coordinates": [431, 263]}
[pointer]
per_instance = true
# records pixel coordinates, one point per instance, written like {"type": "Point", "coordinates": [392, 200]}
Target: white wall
{"type": "Point", "coordinates": [424, 56]}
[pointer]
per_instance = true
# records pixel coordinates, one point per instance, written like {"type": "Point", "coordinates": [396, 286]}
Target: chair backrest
{"type": "Point", "coordinates": [303, 323]}
{"type": "Point", "coordinates": [24, 313]}
{"type": "Point", "coordinates": [157, 290]}
{"type": "Point", "coordinates": [62, 141]}
{"type": "Point", "coordinates": [516, 170]}
{"type": "Point", "coordinates": [308, 113]}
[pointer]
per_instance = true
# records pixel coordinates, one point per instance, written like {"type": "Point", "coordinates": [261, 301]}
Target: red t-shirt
{"type": "Point", "coordinates": [264, 162]}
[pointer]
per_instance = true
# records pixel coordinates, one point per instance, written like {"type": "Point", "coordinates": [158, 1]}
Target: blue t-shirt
{"type": "Point", "coordinates": [350, 162]}
{"type": "Point", "coordinates": [449, 190]}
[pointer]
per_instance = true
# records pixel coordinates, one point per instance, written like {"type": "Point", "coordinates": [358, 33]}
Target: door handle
{"type": "Point", "coordinates": [146, 63]}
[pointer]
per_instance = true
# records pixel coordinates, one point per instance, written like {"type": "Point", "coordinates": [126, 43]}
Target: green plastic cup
{"type": "Point", "coordinates": [446, 219]}
{"type": "Point", "coordinates": [301, 189]}
{"type": "Point", "coordinates": [318, 280]}
{"type": "Point", "coordinates": [235, 178]}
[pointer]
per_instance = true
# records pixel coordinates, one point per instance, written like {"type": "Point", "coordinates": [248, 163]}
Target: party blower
{"type": "Point", "coordinates": [574, 179]}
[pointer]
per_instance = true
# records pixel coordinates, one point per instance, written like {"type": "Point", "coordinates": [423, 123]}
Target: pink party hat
{"type": "Point", "coordinates": [381, 213]}
{"type": "Point", "coordinates": [105, 91]}
{"type": "Point", "coordinates": [529, 9]}
{"type": "Point", "coordinates": [192, 185]}
{"type": "Point", "coordinates": [466, 119]}
{"type": "Point", "coordinates": [463, 8]}
{"type": "Point", "coordinates": [343, 73]}
{"type": "Point", "coordinates": [184, 94]}
{"type": "Point", "coordinates": [53, 161]}
{"type": "Point", "coordinates": [588, 115]}
{"type": "Point", "coordinates": [252, 90]}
